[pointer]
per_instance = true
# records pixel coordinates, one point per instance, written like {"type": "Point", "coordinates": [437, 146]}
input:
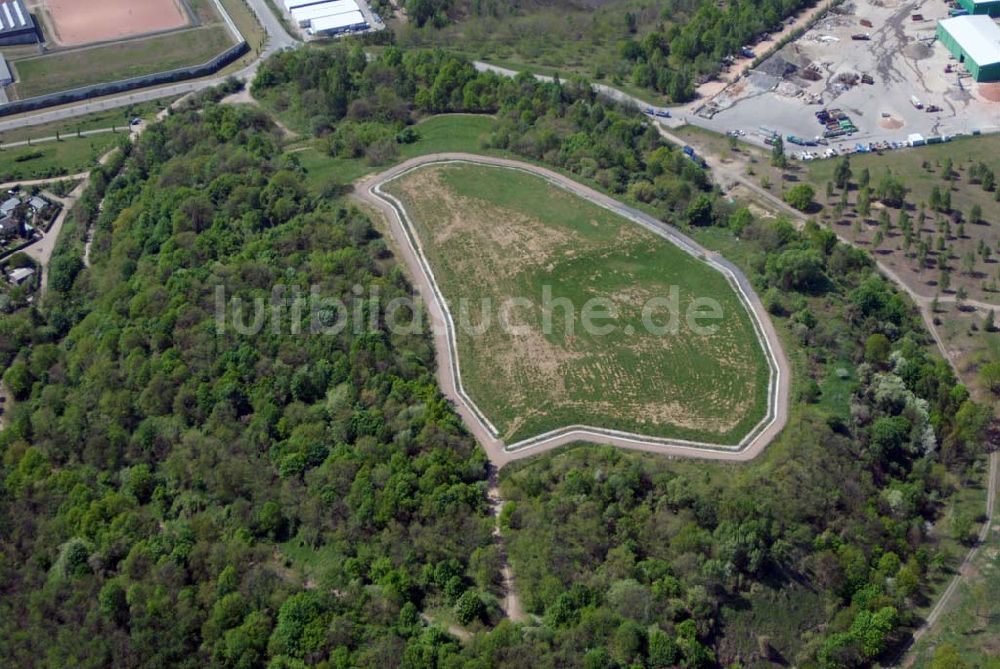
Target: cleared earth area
{"type": "Point", "coordinates": [492, 233]}
{"type": "Point", "coordinates": [77, 22]}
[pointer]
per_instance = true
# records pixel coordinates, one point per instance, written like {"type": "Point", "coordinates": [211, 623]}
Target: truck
{"type": "Point", "coordinates": [793, 139]}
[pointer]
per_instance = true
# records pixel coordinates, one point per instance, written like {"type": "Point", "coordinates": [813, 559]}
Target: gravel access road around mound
{"type": "Point", "coordinates": [448, 365]}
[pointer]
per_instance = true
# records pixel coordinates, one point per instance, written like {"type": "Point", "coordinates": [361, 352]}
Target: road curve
{"type": "Point", "coordinates": [448, 369]}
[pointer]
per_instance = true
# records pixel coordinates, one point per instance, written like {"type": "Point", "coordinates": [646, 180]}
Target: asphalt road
{"type": "Point", "coordinates": [449, 375]}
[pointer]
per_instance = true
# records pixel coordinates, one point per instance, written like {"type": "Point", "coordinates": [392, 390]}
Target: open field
{"type": "Point", "coordinates": [69, 156]}
{"type": "Point", "coordinates": [438, 134]}
{"type": "Point", "coordinates": [968, 632]}
{"type": "Point", "coordinates": [922, 170]}
{"type": "Point", "coordinates": [710, 387]}
{"type": "Point", "coordinates": [78, 22]}
{"type": "Point", "coordinates": [72, 69]}
{"type": "Point", "coordinates": [106, 119]}
{"type": "Point", "coordinates": [969, 345]}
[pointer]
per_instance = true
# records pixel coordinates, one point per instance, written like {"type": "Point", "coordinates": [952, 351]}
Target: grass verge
{"type": "Point", "coordinates": [73, 69]}
{"type": "Point", "coordinates": [53, 159]}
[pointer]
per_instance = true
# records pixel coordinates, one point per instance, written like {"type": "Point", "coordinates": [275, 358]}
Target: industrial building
{"type": "Point", "coordinates": [339, 23]}
{"type": "Point", "coordinates": [292, 4]}
{"type": "Point", "coordinates": [975, 42]}
{"type": "Point", "coordinates": [988, 7]}
{"type": "Point", "coordinates": [17, 26]}
{"type": "Point", "coordinates": [304, 16]}
{"type": "Point", "coordinates": [307, 15]}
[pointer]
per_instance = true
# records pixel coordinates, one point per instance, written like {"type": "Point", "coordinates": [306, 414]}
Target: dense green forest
{"type": "Point", "coordinates": [365, 108]}
{"type": "Point", "coordinates": [152, 464]}
{"type": "Point", "coordinates": [662, 46]}
{"type": "Point", "coordinates": [159, 475]}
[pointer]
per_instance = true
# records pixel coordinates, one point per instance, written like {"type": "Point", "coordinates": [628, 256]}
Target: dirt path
{"type": "Point", "coordinates": [907, 657]}
{"type": "Point", "coordinates": [458, 632]}
{"type": "Point", "coordinates": [511, 600]}
{"type": "Point", "coordinates": [448, 372]}
{"type": "Point", "coordinates": [244, 97]}
{"type": "Point", "coordinates": [7, 185]}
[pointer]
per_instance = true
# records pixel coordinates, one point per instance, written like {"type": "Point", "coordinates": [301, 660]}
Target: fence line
{"type": "Point", "coordinates": [110, 88]}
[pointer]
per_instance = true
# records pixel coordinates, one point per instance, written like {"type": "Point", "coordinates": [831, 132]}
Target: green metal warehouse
{"type": "Point", "coordinates": [990, 7]}
{"type": "Point", "coordinates": [975, 42]}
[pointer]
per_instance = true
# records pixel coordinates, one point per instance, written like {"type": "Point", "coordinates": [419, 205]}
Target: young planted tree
{"type": "Point", "coordinates": [988, 181]}
{"type": "Point", "coordinates": [842, 173]}
{"type": "Point", "coordinates": [976, 214]}
{"type": "Point", "coordinates": [969, 263]}
{"type": "Point", "coordinates": [864, 205]}
{"type": "Point", "coordinates": [778, 157]}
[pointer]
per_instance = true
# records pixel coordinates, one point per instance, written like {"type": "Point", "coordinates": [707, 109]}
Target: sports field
{"type": "Point", "coordinates": [78, 22]}
{"type": "Point", "coordinates": [493, 233]}
{"type": "Point", "coordinates": [60, 71]}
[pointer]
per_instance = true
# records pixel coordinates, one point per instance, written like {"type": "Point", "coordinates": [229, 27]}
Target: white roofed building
{"type": "Point", "coordinates": [339, 23]}
{"type": "Point", "coordinates": [305, 16]}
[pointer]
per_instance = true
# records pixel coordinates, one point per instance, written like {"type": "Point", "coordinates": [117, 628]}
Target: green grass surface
{"type": "Point", "coordinates": [494, 233]}
{"type": "Point", "coordinates": [106, 119]}
{"type": "Point", "coordinates": [921, 170]}
{"type": "Point", "coordinates": [970, 628]}
{"type": "Point", "coordinates": [205, 11]}
{"type": "Point", "coordinates": [68, 156]}
{"type": "Point", "coordinates": [445, 133]}
{"type": "Point", "coordinates": [246, 22]}
{"type": "Point", "coordinates": [908, 165]}
{"type": "Point", "coordinates": [72, 69]}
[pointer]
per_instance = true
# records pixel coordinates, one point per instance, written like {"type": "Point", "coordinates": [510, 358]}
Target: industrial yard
{"type": "Point", "coordinates": [868, 73]}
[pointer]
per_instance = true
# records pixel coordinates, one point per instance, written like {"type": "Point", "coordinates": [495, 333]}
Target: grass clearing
{"type": "Point", "coordinates": [52, 159]}
{"type": "Point", "coordinates": [970, 628]}
{"type": "Point", "coordinates": [112, 118]}
{"type": "Point", "coordinates": [495, 233]}
{"type": "Point", "coordinates": [921, 170]}
{"type": "Point", "coordinates": [72, 69]}
{"type": "Point", "coordinates": [438, 134]}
